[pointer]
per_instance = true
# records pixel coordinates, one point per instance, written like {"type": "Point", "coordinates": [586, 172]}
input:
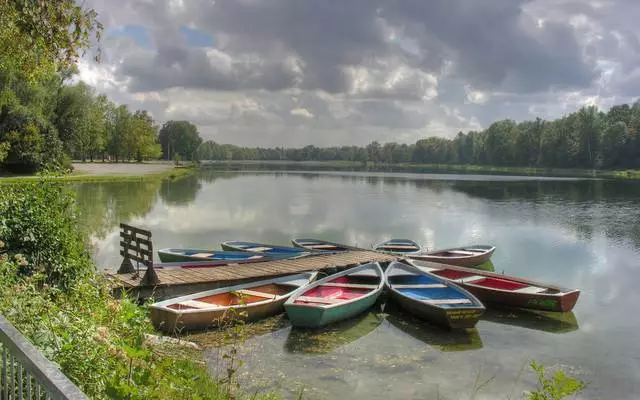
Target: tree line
{"type": "Point", "coordinates": [588, 138]}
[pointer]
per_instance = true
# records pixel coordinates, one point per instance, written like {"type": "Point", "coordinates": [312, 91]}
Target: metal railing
{"type": "Point", "coordinates": [26, 374]}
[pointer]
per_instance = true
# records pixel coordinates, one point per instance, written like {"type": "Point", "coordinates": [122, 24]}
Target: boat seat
{"type": "Point", "coordinates": [197, 304]}
{"type": "Point", "coordinates": [477, 250]}
{"type": "Point", "coordinates": [350, 285]}
{"type": "Point", "coordinates": [469, 279]}
{"type": "Point", "coordinates": [203, 255]}
{"type": "Point", "coordinates": [428, 269]}
{"type": "Point", "coordinates": [320, 300]}
{"type": "Point", "coordinates": [420, 286]}
{"type": "Point", "coordinates": [258, 249]}
{"type": "Point", "coordinates": [321, 246]}
{"type": "Point", "coordinates": [248, 292]}
{"type": "Point", "coordinates": [254, 257]}
{"type": "Point", "coordinates": [530, 290]}
{"type": "Point", "coordinates": [399, 246]}
{"type": "Point", "coordinates": [447, 301]}
{"type": "Point", "coordinates": [462, 252]}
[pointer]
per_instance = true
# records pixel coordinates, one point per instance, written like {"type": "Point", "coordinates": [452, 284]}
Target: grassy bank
{"type": "Point", "coordinates": [172, 173]}
{"type": "Point", "coordinates": [50, 291]}
{"type": "Point", "coordinates": [427, 168]}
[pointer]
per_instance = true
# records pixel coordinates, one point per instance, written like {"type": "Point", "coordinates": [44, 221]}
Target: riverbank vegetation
{"type": "Point", "coordinates": [586, 139]}
{"type": "Point", "coordinates": [50, 290]}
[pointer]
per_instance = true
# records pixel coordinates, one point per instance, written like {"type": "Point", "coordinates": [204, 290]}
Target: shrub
{"type": "Point", "coordinates": [38, 223]}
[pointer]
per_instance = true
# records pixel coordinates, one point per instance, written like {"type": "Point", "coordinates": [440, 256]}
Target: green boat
{"type": "Point", "coordinates": [336, 297]}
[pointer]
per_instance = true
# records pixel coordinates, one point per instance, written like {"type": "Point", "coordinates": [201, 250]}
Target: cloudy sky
{"type": "Point", "coordinates": [333, 72]}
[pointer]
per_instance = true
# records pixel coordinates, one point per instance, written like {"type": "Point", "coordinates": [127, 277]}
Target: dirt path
{"type": "Point", "coordinates": [99, 168]}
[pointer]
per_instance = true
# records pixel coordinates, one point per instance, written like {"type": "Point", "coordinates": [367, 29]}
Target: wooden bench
{"type": "Point", "coordinates": [197, 304]}
{"type": "Point", "coordinates": [350, 285]}
{"type": "Point", "coordinates": [462, 252]}
{"type": "Point", "coordinates": [319, 300]}
{"type": "Point", "coordinates": [420, 286]}
{"type": "Point", "coordinates": [258, 249]}
{"type": "Point", "coordinates": [247, 292]}
{"type": "Point", "coordinates": [530, 290]}
{"type": "Point", "coordinates": [447, 301]}
{"type": "Point", "coordinates": [469, 279]}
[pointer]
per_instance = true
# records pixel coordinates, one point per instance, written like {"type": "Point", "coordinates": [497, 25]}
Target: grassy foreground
{"type": "Point", "coordinates": [427, 168]}
{"type": "Point", "coordinates": [50, 291]}
{"type": "Point", "coordinates": [174, 172]}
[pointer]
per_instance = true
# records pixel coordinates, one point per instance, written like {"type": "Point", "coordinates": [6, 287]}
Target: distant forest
{"type": "Point", "coordinates": [588, 138]}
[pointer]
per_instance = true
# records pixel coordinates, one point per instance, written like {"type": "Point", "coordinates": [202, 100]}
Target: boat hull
{"type": "Point", "coordinates": [463, 261]}
{"type": "Point", "coordinates": [314, 317]}
{"type": "Point", "coordinates": [558, 300]}
{"type": "Point", "coordinates": [174, 322]}
{"type": "Point", "coordinates": [449, 319]}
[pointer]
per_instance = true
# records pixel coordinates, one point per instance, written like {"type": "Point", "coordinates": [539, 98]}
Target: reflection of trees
{"type": "Point", "coordinates": [180, 191]}
{"type": "Point", "coordinates": [583, 205]}
{"type": "Point", "coordinates": [104, 205]}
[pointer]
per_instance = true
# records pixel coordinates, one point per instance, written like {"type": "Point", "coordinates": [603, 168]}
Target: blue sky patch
{"type": "Point", "coordinates": [196, 37]}
{"type": "Point", "coordinates": [136, 32]}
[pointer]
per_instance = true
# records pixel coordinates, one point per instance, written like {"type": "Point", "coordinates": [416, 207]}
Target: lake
{"type": "Point", "coordinates": [570, 232]}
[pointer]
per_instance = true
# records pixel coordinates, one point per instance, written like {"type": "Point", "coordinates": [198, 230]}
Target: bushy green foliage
{"type": "Point", "coordinates": [32, 140]}
{"type": "Point", "coordinates": [50, 292]}
{"type": "Point", "coordinates": [38, 221]}
{"type": "Point", "coordinates": [557, 387]}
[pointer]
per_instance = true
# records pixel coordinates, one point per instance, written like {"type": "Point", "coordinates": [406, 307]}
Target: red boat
{"type": "Point", "coordinates": [504, 290]}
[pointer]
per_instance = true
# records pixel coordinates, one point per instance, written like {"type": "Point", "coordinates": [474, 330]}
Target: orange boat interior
{"type": "Point", "coordinates": [242, 296]}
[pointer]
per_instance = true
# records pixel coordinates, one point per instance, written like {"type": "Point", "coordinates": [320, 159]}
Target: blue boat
{"type": "Point", "coordinates": [433, 298]}
{"type": "Point", "coordinates": [237, 245]}
{"type": "Point", "coordinates": [215, 257]}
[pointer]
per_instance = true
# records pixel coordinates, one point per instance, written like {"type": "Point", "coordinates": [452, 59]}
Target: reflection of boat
{"type": "Point", "coordinates": [253, 247]}
{"type": "Point", "coordinates": [249, 301]}
{"type": "Point", "coordinates": [215, 257]}
{"type": "Point", "coordinates": [458, 340]}
{"type": "Point", "coordinates": [317, 244]}
{"type": "Point", "coordinates": [467, 256]}
{"type": "Point", "coordinates": [337, 297]}
{"type": "Point", "coordinates": [533, 319]}
{"type": "Point", "coordinates": [505, 290]}
{"type": "Point", "coordinates": [431, 297]}
{"type": "Point", "coordinates": [399, 246]}
{"type": "Point", "coordinates": [330, 338]}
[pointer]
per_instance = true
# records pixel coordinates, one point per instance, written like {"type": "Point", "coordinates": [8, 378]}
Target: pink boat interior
{"type": "Point", "coordinates": [339, 290]}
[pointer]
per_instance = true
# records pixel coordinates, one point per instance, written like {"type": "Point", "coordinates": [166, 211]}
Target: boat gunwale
{"type": "Point", "coordinates": [163, 305]}
{"type": "Point", "coordinates": [434, 253]}
{"type": "Point", "coordinates": [291, 300]}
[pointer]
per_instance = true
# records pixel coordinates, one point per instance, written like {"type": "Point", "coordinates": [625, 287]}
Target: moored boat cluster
{"type": "Point", "coordinates": [440, 286]}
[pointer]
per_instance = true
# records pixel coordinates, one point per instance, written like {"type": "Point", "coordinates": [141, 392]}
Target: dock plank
{"type": "Point", "coordinates": [186, 278]}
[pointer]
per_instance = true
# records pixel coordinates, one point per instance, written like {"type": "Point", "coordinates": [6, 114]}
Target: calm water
{"type": "Point", "coordinates": [576, 233]}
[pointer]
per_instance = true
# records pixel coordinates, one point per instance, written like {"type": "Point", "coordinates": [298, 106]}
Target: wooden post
{"type": "Point", "coordinates": [136, 245]}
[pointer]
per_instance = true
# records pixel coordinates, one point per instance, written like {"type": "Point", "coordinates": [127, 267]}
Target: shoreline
{"type": "Point", "coordinates": [110, 172]}
{"type": "Point", "coordinates": [431, 168]}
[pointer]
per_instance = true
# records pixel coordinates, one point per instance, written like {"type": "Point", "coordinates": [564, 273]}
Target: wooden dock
{"type": "Point", "coordinates": [180, 281]}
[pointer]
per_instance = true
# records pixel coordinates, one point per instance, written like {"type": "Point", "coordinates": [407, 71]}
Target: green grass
{"type": "Point", "coordinates": [176, 172]}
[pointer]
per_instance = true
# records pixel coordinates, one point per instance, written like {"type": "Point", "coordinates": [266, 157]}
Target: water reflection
{"type": "Point", "coordinates": [330, 338]}
{"type": "Point", "coordinates": [574, 233]}
{"type": "Point", "coordinates": [533, 319]}
{"type": "Point", "coordinates": [432, 335]}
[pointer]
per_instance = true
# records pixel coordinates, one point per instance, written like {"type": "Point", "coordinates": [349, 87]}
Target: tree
{"type": "Point", "coordinates": [118, 125]}
{"type": "Point", "coordinates": [38, 37]}
{"type": "Point", "coordinates": [179, 138]}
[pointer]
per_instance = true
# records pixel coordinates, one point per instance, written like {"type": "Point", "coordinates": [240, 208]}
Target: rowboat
{"type": "Point", "coordinates": [215, 257]}
{"type": "Point", "coordinates": [399, 246]}
{"type": "Point", "coordinates": [317, 244]}
{"type": "Point", "coordinates": [432, 298]}
{"type": "Point", "coordinates": [504, 290]}
{"type": "Point", "coordinates": [336, 297]}
{"type": "Point", "coordinates": [249, 301]}
{"type": "Point", "coordinates": [461, 256]}
{"type": "Point", "coordinates": [269, 249]}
